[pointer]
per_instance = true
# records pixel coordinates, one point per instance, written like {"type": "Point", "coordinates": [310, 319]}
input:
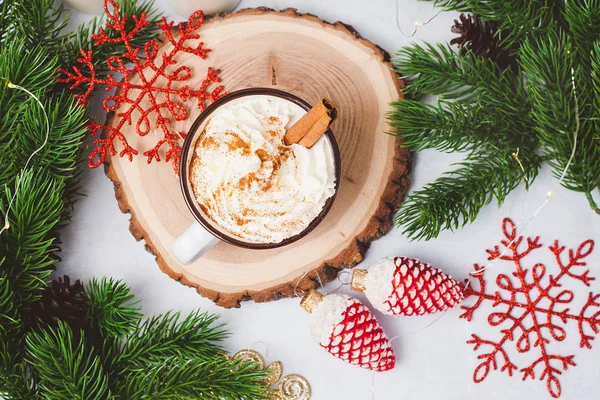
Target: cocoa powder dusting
{"type": "Point", "coordinates": [204, 208]}
{"type": "Point", "coordinates": [234, 144]}
{"type": "Point", "coordinates": [237, 143]}
{"type": "Point", "coordinates": [265, 184]}
{"type": "Point", "coordinates": [241, 221]}
{"type": "Point", "coordinates": [263, 155]}
{"type": "Point", "coordinates": [247, 181]}
{"type": "Point", "coordinates": [209, 142]}
{"type": "Point", "coordinates": [269, 164]}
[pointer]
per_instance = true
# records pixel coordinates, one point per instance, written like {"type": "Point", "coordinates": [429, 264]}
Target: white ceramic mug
{"type": "Point", "coordinates": [203, 234]}
{"type": "Point", "coordinates": [193, 243]}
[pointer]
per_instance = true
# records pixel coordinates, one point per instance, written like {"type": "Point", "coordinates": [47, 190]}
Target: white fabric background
{"type": "Point", "coordinates": [434, 363]}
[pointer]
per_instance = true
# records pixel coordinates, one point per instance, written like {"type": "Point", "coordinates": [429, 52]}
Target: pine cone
{"type": "Point", "coordinates": [407, 287]}
{"type": "Point", "coordinates": [481, 37]}
{"type": "Point", "coordinates": [60, 301]}
{"type": "Point", "coordinates": [348, 331]}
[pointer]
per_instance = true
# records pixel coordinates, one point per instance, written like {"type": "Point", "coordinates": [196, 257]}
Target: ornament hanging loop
{"type": "Point", "coordinates": [301, 292]}
{"type": "Point", "coordinates": [344, 277]}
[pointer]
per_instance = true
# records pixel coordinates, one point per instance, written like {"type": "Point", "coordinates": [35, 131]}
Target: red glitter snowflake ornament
{"type": "Point", "coordinates": [155, 97]}
{"type": "Point", "coordinates": [533, 307]}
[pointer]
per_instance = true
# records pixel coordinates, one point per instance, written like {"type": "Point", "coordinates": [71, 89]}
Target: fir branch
{"type": "Point", "coordinates": [68, 129]}
{"type": "Point", "coordinates": [449, 129]}
{"type": "Point", "coordinates": [23, 126]}
{"type": "Point", "coordinates": [30, 67]}
{"type": "Point", "coordinates": [466, 78]}
{"type": "Point", "coordinates": [111, 308]}
{"type": "Point", "coordinates": [40, 21]}
{"type": "Point", "coordinates": [165, 336]}
{"type": "Point", "coordinates": [455, 126]}
{"type": "Point", "coordinates": [595, 82]}
{"type": "Point", "coordinates": [168, 358]}
{"type": "Point", "coordinates": [456, 198]}
{"type": "Point", "coordinates": [10, 318]}
{"type": "Point", "coordinates": [555, 111]}
{"type": "Point", "coordinates": [28, 246]}
{"type": "Point", "coordinates": [6, 15]}
{"type": "Point", "coordinates": [177, 377]}
{"type": "Point", "coordinates": [15, 379]}
{"type": "Point", "coordinates": [482, 109]}
{"type": "Point", "coordinates": [64, 367]}
{"type": "Point", "coordinates": [495, 114]}
{"type": "Point", "coordinates": [518, 18]}
{"type": "Point", "coordinates": [583, 19]}
{"type": "Point", "coordinates": [439, 70]}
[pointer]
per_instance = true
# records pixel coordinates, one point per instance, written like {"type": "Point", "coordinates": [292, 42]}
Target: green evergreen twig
{"type": "Point", "coordinates": [500, 117]}
{"type": "Point", "coordinates": [117, 355]}
{"type": "Point", "coordinates": [65, 367]}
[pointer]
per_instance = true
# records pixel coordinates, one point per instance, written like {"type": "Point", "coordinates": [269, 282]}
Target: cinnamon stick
{"type": "Point", "coordinates": [312, 125]}
{"type": "Point", "coordinates": [315, 132]}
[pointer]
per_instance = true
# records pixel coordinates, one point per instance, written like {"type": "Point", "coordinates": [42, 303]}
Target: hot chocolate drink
{"type": "Point", "coordinates": [248, 182]}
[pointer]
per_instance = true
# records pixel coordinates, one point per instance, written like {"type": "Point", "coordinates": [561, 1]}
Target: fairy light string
{"type": "Point", "coordinates": [515, 155]}
{"type": "Point", "coordinates": [11, 85]}
{"type": "Point", "coordinates": [418, 24]}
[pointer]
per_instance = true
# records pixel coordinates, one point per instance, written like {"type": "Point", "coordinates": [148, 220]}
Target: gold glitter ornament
{"type": "Point", "coordinates": [290, 387]}
{"type": "Point", "coordinates": [293, 387]}
{"type": "Point", "coordinates": [250, 355]}
{"type": "Point", "coordinates": [274, 373]}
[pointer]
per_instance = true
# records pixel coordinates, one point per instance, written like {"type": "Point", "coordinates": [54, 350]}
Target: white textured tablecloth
{"type": "Point", "coordinates": [434, 363]}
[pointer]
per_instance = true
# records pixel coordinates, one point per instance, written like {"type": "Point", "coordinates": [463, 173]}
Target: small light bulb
{"type": "Point", "coordinates": [418, 24]}
{"type": "Point", "coordinates": [550, 192]}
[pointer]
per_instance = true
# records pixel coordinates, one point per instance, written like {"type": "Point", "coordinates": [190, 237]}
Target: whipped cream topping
{"type": "Point", "coordinates": [249, 182]}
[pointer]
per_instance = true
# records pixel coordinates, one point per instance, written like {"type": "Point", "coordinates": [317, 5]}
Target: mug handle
{"type": "Point", "coordinates": [192, 243]}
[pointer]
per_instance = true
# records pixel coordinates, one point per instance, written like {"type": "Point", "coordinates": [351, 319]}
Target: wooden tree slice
{"type": "Point", "coordinates": [312, 59]}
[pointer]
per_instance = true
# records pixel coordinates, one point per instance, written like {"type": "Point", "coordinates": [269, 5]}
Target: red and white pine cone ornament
{"type": "Point", "coordinates": [348, 330]}
{"type": "Point", "coordinates": [407, 287]}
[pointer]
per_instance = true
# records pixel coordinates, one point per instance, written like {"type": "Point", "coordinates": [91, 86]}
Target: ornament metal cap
{"type": "Point", "coordinates": [310, 300]}
{"type": "Point", "coordinates": [359, 278]}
